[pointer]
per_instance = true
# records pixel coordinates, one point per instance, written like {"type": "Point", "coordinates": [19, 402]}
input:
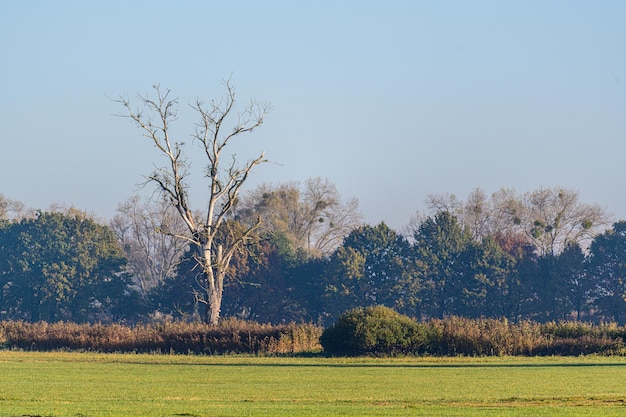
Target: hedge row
{"type": "Point", "coordinates": [380, 331]}
{"type": "Point", "coordinates": [231, 336]}
{"type": "Point", "coordinates": [374, 331]}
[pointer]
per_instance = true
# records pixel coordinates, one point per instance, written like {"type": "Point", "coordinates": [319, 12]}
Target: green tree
{"type": "Point", "coordinates": [445, 251]}
{"type": "Point", "coordinates": [366, 270]}
{"type": "Point", "coordinates": [262, 289]}
{"type": "Point", "coordinates": [494, 288]}
{"type": "Point", "coordinates": [62, 266]}
{"type": "Point", "coordinates": [579, 283]}
{"type": "Point", "coordinates": [607, 265]}
{"type": "Point", "coordinates": [558, 286]}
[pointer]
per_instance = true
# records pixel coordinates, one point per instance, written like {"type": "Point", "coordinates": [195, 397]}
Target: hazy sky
{"type": "Point", "coordinates": [390, 100]}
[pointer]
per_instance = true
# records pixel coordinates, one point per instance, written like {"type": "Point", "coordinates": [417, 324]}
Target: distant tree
{"type": "Point", "coordinates": [549, 285]}
{"type": "Point", "coordinates": [312, 216]}
{"type": "Point", "coordinates": [607, 265]}
{"type": "Point", "coordinates": [579, 283]}
{"type": "Point", "coordinates": [366, 270]}
{"type": "Point", "coordinates": [11, 209]}
{"type": "Point", "coordinates": [549, 218]}
{"type": "Point", "coordinates": [268, 288]}
{"type": "Point", "coordinates": [482, 214]}
{"type": "Point", "coordinates": [175, 297]}
{"type": "Point", "coordinates": [494, 293]}
{"type": "Point", "coordinates": [553, 218]}
{"type": "Point", "coordinates": [147, 231]}
{"type": "Point", "coordinates": [520, 298]}
{"type": "Point", "coordinates": [62, 266]}
{"type": "Point", "coordinates": [445, 251]}
{"type": "Point", "coordinates": [212, 255]}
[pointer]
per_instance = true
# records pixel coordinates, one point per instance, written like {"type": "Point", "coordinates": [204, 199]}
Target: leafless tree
{"type": "Point", "coordinates": [12, 209]}
{"type": "Point", "coordinates": [313, 216]}
{"type": "Point", "coordinates": [552, 218]}
{"type": "Point", "coordinates": [547, 218]}
{"type": "Point", "coordinates": [225, 178]}
{"type": "Point", "coordinates": [147, 232]}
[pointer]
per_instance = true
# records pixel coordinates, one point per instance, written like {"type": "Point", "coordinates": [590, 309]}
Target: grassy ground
{"type": "Point", "coordinates": [84, 384]}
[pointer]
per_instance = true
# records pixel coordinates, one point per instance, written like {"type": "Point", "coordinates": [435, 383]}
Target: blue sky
{"type": "Point", "coordinates": [390, 100]}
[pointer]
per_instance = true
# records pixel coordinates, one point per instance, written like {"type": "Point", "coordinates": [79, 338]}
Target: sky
{"type": "Point", "coordinates": [390, 100]}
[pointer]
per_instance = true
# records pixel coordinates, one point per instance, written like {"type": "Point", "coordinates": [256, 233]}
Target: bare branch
{"type": "Point", "coordinates": [224, 185]}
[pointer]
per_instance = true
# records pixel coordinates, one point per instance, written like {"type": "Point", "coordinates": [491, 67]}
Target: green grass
{"type": "Point", "coordinates": [85, 384]}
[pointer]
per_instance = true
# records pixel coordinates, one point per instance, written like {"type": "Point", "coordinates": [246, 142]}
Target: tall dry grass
{"type": "Point", "coordinates": [231, 336]}
{"type": "Point", "coordinates": [490, 337]}
{"type": "Point", "coordinates": [452, 336]}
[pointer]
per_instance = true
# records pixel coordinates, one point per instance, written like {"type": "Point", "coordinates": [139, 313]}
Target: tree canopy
{"type": "Point", "coordinates": [468, 259]}
{"type": "Point", "coordinates": [62, 266]}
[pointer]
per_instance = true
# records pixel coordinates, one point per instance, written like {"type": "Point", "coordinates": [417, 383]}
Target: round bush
{"type": "Point", "coordinates": [373, 331]}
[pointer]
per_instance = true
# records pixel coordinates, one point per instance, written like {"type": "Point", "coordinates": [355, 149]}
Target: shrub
{"type": "Point", "coordinates": [373, 331]}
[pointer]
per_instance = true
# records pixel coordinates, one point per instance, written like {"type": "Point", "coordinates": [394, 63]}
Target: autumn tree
{"type": "Point", "coordinates": [312, 216]}
{"type": "Point", "coordinates": [224, 178]}
{"type": "Point", "coordinates": [548, 218]}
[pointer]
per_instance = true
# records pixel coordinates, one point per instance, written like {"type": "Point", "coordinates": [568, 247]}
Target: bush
{"type": "Point", "coordinates": [381, 331]}
{"type": "Point", "coordinates": [373, 331]}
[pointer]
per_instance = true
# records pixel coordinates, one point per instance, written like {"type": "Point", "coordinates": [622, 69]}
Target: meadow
{"type": "Point", "coordinates": [94, 384]}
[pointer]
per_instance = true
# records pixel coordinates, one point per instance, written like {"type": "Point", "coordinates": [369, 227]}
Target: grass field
{"type": "Point", "coordinates": [85, 384]}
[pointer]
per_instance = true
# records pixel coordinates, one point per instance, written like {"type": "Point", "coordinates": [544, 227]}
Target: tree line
{"type": "Point", "coordinates": [299, 252]}
{"type": "Point", "coordinates": [542, 256]}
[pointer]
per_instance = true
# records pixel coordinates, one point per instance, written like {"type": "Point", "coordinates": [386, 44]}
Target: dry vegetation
{"type": "Point", "coordinates": [490, 337]}
{"type": "Point", "coordinates": [230, 336]}
{"type": "Point", "coordinates": [450, 337]}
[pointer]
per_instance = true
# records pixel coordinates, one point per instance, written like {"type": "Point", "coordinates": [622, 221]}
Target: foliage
{"type": "Point", "coordinates": [607, 262]}
{"type": "Point", "coordinates": [469, 260]}
{"type": "Point", "coordinates": [366, 270]}
{"type": "Point", "coordinates": [62, 266]}
{"type": "Point", "coordinates": [381, 331]}
{"type": "Point", "coordinates": [548, 218]}
{"type": "Point", "coordinates": [373, 331]}
{"type": "Point", "coordinates": [445, 251]}
{"type": "Point", "coordinates": [369, 331]}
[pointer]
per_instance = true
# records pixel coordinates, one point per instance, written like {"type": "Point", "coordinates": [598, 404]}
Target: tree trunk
{"type": "Point", "coordinates": [214, 272]}
{"type": "Point", "coordinates": [214, 307]}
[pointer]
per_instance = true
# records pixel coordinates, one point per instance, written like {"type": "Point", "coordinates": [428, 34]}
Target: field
{"type": "Point", "coordinates": [89, 384]}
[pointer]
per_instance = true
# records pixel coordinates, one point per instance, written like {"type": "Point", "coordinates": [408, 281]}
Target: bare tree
{"type": "Point", "coordinates": [313, 216]}
{"type": "Point", "coordinates": [225, 179]}
{"type": "Point", "coordinates": [147, 232]}
{"type": "Point", "coordinates": [547, 218]}
{"type": "Point", "coordinates": [12, 209]}
{"type": "Point", "coordinates": [552, 218]}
